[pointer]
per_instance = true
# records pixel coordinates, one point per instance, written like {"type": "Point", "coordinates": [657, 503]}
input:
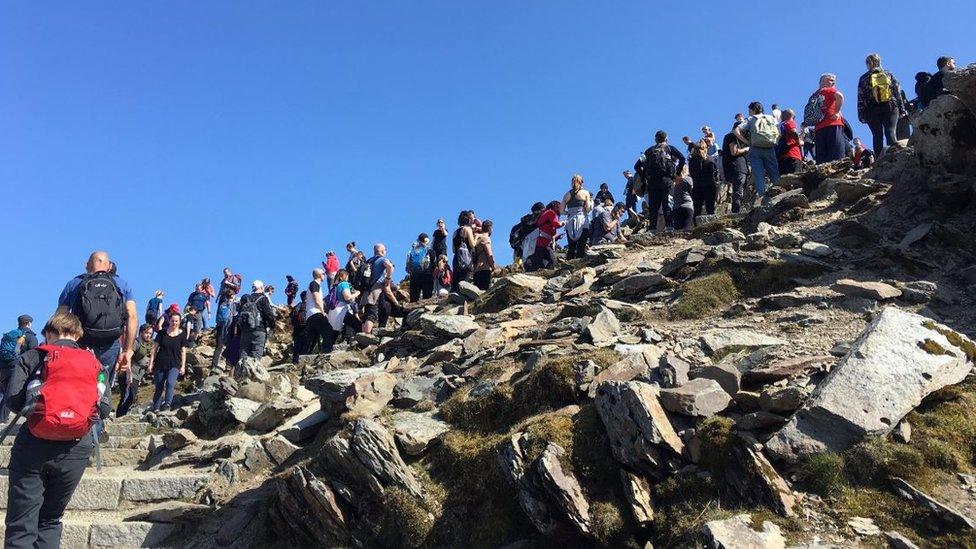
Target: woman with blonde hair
{"type": "Point", "coordinates": [704, 174]}
{"type": "Point", "coordinates": [577, 204]}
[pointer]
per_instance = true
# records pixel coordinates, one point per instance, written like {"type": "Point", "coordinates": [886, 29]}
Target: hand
{"type": "Point", "coordinates": [125, 357]}
{"type": "Point", "coordinates": [182, 370]}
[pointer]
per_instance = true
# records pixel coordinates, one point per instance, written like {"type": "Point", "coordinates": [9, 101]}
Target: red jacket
{"type": "Point", "coordinates": [547, 224]}
{"type": "Point", "coordinates": [331, 265]}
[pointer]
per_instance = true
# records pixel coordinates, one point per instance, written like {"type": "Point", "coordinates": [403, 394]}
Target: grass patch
{"type": "Point", "coordinates": [932, 347]}
{"type": "Point", "coordinates": [702, 296]}
{"type": "Point", "coordinates": [714, 226]}
{"type": "Point", "coordinates": [891, 512]}
{"type": "Point", "coordinates": [717, 437]}
{"type": "Point", "coordinates": [407, 520]}
{"type": "Point", "coordinates": [873, 461]}
{"type": "Point", "coordinates": [683, 503]}
{"type": "Point", "coordinates": [775, 276]}
{"type": "Point", "coordinates": [957, 340]}
{"type": "Point", "coordinates": [609, 525]}
{"type": "Point", "coordinates": [823, 474]}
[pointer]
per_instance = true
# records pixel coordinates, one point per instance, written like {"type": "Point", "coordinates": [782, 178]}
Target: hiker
{"type": "Point", "coordinates": [255, 318]}
{"type": "Point", "coordinates": [381, 270]}
{"type": "Point", "coordinates": [903, 129]}
{"type": "Point", "coordinates": [809, 145]}
{"type": "Point", "coordinates": [704, 173]}
{"type": "Point", "coordinates": [440, 239]}
{"type": "Point", "coordinates": [879, 103]}
{"type": "Point", "coordinates": [606, 227]}
{"type": "Point", "coordinates": [162, 322]}
{"type": "Point", "coordinates": [354, 255]}
{"type": "Point", "coordinates": [789, 152]}
{"type": "Point", "coordinates": [462, 244]}
{"type": "Point", "coordinates": [603, 194]}
{"type": "Point", "coordinates": [935, 85]}
{"type": "Point", "coordinates": [154, 309]}
{"type": "Point", "coordinates": [577, 204]}
{"type": "Point", "coordinates": [442, 276]}
{"type": "Point", "coordinates": [735, 167]}
{"type": "Point", "coordinates": [200, 302]}
{"type": "Point", "coordinates": [484, 257]}
{"type": "Point", "coordinates": [657, 168]}
{"type": "Point", "coordinates": [13, 344]}
{"type": "Point", "coordinates": [343, 316]}
{"type": "Point", "coordinates": [104, 304]}
{"type": "Point", "coordinates": [49, 455]}
{"type": "Point", "coordinates": [544, 255]}
{"type": "Point", "coordinates": [829, 129]}
{"type": "Point", "coordinates": [390, 306]}
{"type": "Point", "coordinates": [683, 213]}
{"type": "Point", "coordinates": [331, 266]}
{"type": "Point", "coordinates": [630, 196]}
{"type": "Point", "coordinates": [291, 290]}
{"type": "Point", "coordinates": [420, 268]}
{"type": "Point", "coordinates": [167, 362]}
{"type": "Point", "coordinates": [230, 282]}
{"type": "Point", "coordinates": [131, 377]}
{"type": "Point", "coordinates": [298, 327]}
{"type": "Point", "coordinates": [777, 114]}
{"type": "Point", "coordinates": [761, 133]}
{"type": "Point", "coordinates": [522, 231]}
{"type": "Point", "coordinates": [316, 325]}
{"type": "Point", "coordinates": [223, 320]}
{"type": "Point", "coordinates": [863, 157]}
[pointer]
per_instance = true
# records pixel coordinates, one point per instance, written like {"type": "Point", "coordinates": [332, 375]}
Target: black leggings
{"type": "Point", "coordinates": [544, 257]}
{"type": "Point", "coordinates": [683, 218]}
{"type": "Point", "coordinates": [316, 328]}
{"type": "Point", "coordinates": [421, 284]}
{"type": "Point", "coordinates": [482, 279]}
{"type": "Point", "coordinates": [703, 195]}
{"type": "Point", "coordinates": [576, 248]}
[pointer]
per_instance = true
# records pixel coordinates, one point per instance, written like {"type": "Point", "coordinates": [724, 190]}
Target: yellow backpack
{"type": "Point", "coordinates": [880, 86]}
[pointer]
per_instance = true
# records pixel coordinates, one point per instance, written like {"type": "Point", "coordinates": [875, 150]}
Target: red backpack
{"type": "Point", "coordinates": [67, 403]}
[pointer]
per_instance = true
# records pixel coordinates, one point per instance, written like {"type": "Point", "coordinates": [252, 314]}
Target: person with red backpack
{"type": "Point", "coordinates": [60, 388]}
{"type": "Point", "coordinates": [103, 303]}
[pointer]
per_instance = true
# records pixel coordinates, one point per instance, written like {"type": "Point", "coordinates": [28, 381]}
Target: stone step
{"type": "Point", "coordinates": [113, 428]}
{"type": "Point", "coordinates": [115, 488]}
{"type": "Point", "coordinates": [111, 457]}
{"type": "Point", "coordinates": [83, 529]}
{"type": "Point", "coordinates": [141, 443]}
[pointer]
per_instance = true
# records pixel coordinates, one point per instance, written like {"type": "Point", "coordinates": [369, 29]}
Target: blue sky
{"type": "Point", "coordinates": [186, 136]}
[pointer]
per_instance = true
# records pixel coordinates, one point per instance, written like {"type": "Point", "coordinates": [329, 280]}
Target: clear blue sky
{"type": "Point", "coordinates": [186, 136]}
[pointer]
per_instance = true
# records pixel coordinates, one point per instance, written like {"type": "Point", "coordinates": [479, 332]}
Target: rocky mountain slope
{"type": "Point", "coordinates": [798, 376]}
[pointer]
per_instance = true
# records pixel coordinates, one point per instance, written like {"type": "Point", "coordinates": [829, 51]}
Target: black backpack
{"type": "Point", "coordinates": [658, 163]}
{"type": "Point", "coordinates": [248, 315]}
{"type": "Point", "coordinates": [364, 276]}
{"type": "Point", "coordinates": [99, 307]}
{"type": "Point", "coordinates": [521, 230]}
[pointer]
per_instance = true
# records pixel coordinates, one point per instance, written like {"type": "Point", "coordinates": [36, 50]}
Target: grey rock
{"type": "Point", "coordinates": [362, 391]}
{"type": "Point", "coordinates": [737, 533]}
{"type": "Point", "coordinates": [944, 140]}
{"type": "Point", "coordinates": [412, 390]}
{"type": "Point", "coordinates": [816, 249]}
{"type": "Point", "coordinates": [898, 541]}
{"type": "Point", "coordinates": [674, 371]}
{"type": "Point", "coordinates": [415, 432]}
{"type": "Point", "coordinates": [375, 448]}
{"type": "Point", "coordinates": [941, 511]}
{"type": "Point", "coordinates": [604, 329]}
{"type": "Point", "coordinates": [279, 449]}
{"type": "Point", "coordinates": [636, 365]}
{"type": "Point", "coordinates": [469, 291]}
{"type": "Point", "coordinates": [782, 399]}
{"type": "Point", "coordinates": [531, 497]}
{"type": "Point", "coordinates": [699, 397]}
{"type": "Point", "coordinates": [162, 488]}
{"type": "Point", "coordinates": [637, 285]}
{"type": "Point", "coordinates": [178, 438]}
{"type": "Point", "coordinates": [241, 409]}
{"type": "Point", "coordinates": [724, 236]}
{"type": "Point", "coordinates": [271, 415]}
{"type": "Point", "coordinates": [870, 290]}
{"type": "Point", "coordinates": [448, 326]}
{"type": "Point", "coordinates": [131, 534]}
{"type": "Point", "coordinates": [638, 493]}
{"type": "Point", "coordinates": [640, 433]}
{"type": "Point", "coordinates": [757, 421]}
{"type": "Point", "coordinates": [563, 489]}
{"type": "Point", "coordinates": [887, 373]}
{"type": "Point", "coordinates": [725, 373]}
{"type": "Point", "coordinates": [719, 340]}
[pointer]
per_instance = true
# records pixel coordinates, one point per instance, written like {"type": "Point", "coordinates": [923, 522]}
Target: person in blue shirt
{"type": "Point", "coordinates": [200, 301]}
{"type": "Point", "coordinates": [381, 270]}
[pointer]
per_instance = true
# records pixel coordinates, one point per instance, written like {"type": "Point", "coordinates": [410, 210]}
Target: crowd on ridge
{"type": "Point", "coordinates": [94, 344]}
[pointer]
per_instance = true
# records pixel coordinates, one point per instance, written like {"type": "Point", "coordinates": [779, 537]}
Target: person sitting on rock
{"type": "Point", "coordinates": [606, 226]}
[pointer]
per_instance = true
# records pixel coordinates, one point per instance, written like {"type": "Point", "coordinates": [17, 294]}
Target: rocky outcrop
{"type": "Point", "coordinates": [641, 435]}
{"type": "Point", "coordinates": [698, 397]}
{"type": "Point", "coordinates": [737, 533]}
{"type": "Point", "coordinates": [898, 360]}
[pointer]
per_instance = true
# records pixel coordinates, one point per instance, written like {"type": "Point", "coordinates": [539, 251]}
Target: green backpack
{"type": "Point", "coordinates": [765, 132]}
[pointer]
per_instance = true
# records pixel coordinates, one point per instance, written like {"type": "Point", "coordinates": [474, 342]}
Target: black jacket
{"type": "Point", "coordinates": [675, 154]}
{"type": "Point", "coordinates": [264, 307]}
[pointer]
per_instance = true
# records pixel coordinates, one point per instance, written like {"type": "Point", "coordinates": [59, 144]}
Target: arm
{"type": "Point", "coordinates": [468, 237]}
{"type": "Point", "coordinates": [268, 314]}
{"type": "Point", "coordinates": [862, 96]}
{"type": "Point", "coordinates": [129, 337]}
{"type": "Point", "coordinates": [30, 342]}
{"type": "Point", "coordinates": [17, 383]}
{"type": "Point", "coordinates": [182, 359]}
{"type": "Point", "coordinates": [319, 302]}
{"type": "Point", "coordinates": [840, 104]}
{"type": "Point", "coordinates": [681, 158]}
{"type": "Point", "coordinates": [152, 357]}
{"type": "Point", "coordinates": [898, 95]}
{"type": "Point", "coordinates": [738, 134]}
{"type": "Point", "coordinates": [739, 150]}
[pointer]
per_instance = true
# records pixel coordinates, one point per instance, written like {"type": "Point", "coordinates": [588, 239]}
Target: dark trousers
{"type": "Point", "coordinates": [107, 356]}
{"type": "Point", "coordinates": [351, 324]}
{"type": "Point", "coordinates": [129, 386]}
{"type": "Point", "coordinates": [297, 342]}
{"type": "Point", "coordinates": [220, 338]}
{"type": "Point", "coordinates": [316, 329]}
{"type": "Point", "coordinates": [165, 380]}
{"type": "Point", "coordinates": [575, 249]}
{"type": "Point", "coordinates": [252, 343]}
{"type": "Point", "coordinates": [789, 165]}
{"type": "Point", "coordinates": [738, 182]}
{"type": "Point", "coordinates": [482, 279]}
{"type": "Point", "coordinates": [831, 144]}
{"type": "Point", "coordinates": [544, 257]}
{"type": "Point", "coordinates": [703, 196]}
{"type": "Point", "coordinates": [883, 126]}
{"type": "Point", "coordinates": [657, 198]}
{"type": "Point", "coordinates": [43, 475]}
{"type": "Point", "coordinates": [421, 284]}
{"type": "Point", "coordinates": [683, 218]}
{"type": "Point", "coordinates": [459, 275]}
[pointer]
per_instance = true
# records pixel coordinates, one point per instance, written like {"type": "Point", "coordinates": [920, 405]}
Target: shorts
{"type": "Point", "coordinates": [371, 313]}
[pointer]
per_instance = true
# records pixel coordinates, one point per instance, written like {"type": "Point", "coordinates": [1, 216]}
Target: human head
{"type": "Point", "coordinates": [774, 106]}
{"type": "Point", "coordinates": [577, 182]}
{"type": "Point", "coordinates": [269, 289]}
{"type": "Point", "coordinates": [873, 61]}
{"type": "Point", "coordinates": [63, 325]}
{"type": "Point", "coordinates": [229, 294]}
{"type": "Point", "coordinates": [159, 294]}
{"type": "Point", "coordinates": [604, 187]}
{"type": "Point", "coordinates": [827, 80]}
{"type": "Point", "coordinates": [486, 227]}
{"type": "Point", "coordinates": [318, 274]}
{"type": "Point", "coordinates": [342, 275]}
{"type": "Point", "coordinates": [628, 174]}
{"type": "Point", "coordinates": [174, 320]}
{"type": "Point", "coordinates": [441, 224]}
{"type": "Point", "coordinates": [538, 207]}
{"type": "Point", "coordinates": [423, 239]}
{"type": "Point", "coordinates": [190, 309]}
{"type": "Point", "coordinates": [701, 149]}
{"type": "Point", "coordinates": [113, 268]}
{"type": "Point", "coordinates": [303, 295]}
{"type": "Point", "coordinates": [706, 130]}
{"type": "Point", "coordinates": [464, 218]}
{"type": "Point", "coordinates": [660, 136]}
{"type": "Point", "coordinates": [946, 63]}
{"type": "Point", "coordinates": [555, 206]}
{"type": "Point", "coordinates": [198, 287]}
{"type": "Point", "coordinates": [618, 209]}
{"type": "Point", "coordinates": [257, 287]}
{"type": "Point", "coordinates": [686, 140]}
{"type": "Point", "coordinates": [442, 260]}
{"type": "Point", "coordinates": [24, 321]}
{"type": "Point", "coordinates": [289, 278]}
{"type": "Point", "coordinates": [755, 107]}
{"type": "Point", "coordinates": [172, 309]}
{"type": "Point", "coordinates": [739, 117]}
{"type": "Point", "coordinates": [227, 272]}
{"type": "Point", "coordinates": [788, 114]}
{"type": "Point", "coordinates": [350, 246]}
{"type": "Point", "coordinates": [379, 249]}
{"type": "Point", "coordinates": [146, 331]}
{"type": "Point", "coordinates": [98, 262]}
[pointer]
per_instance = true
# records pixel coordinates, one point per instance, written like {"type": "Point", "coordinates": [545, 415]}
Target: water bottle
{"type": "Point", "coordinates": [33, 388]}
{"type": "Point", "coordinates": [101, 383]}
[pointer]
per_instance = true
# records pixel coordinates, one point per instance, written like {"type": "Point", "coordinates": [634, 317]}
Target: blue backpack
{"type": "Point", "coordinates": [10, 344]}
{"type": "Point", "coordinates": [418, 260]}
{"type": "Point", "coordinates": [223, 313]}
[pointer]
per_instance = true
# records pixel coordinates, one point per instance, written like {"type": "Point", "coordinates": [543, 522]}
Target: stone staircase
{"type": "Point", "coordinates": [123, 505]}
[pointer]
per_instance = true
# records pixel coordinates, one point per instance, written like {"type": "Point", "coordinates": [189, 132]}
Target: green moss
{"type": "Point", "coordinates": [609, 526]}
{"type": "Point", "coordinates": [555, 428]}
{"type": "Point", "coordinates": [485, 413]}
{"type": "Point", "coordinates": [776, 276]}
{"type": "Point", "coordinates": [823, 474]}
{"type": "Point", "coordinates": [932, 347]}
{"type": "Point", "coordinates": [683, 503]}
{"type": "Point", "coordinates": [702, 296]}
{"type": "Point", "coordinates": [714, 226]}
{"type": "Point", "coordinates": [956, 339]}
{"type": "Point", "coordinates": [406, 518]}
{"type": "Point", "coordinates": [716, 436]}
{"type": "Point", "coordinates": [874, 461]}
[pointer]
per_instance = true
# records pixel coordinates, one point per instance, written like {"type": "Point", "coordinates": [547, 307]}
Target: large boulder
{"type": "Point", "coordinates": [962, 84]}
{"type": "Point", "coordinates": [945, 136]}
{"type": "Point", "coordinates": [637, 284]}
{"type": "Point", "coordinates": [416, 431]}
{"type": "Point", "coordinates": [636, 365]}
{"type": "Point", "coordinates": [699, 397]}
{"type": "Point", "coordinates": [562, 488]}
{"type": "Point", "coordinates": [362, 391]}
{"type": "Point", "coordinates": [604, 329]}
{"type": "Point", "coordinates": [899, 359]}
{"type": "Point", "coordinates": [508, 291]}
{"type": "Point", "coordinates": [641, 435]}
{"type": "Point", "coordinates": [448, 326]}
{"type": "Point", "coordinates": [877, 291]}
{"type": "Point", "coordinates": [737, 533]}
{"type": "Point", "coordinates": [718, 341]}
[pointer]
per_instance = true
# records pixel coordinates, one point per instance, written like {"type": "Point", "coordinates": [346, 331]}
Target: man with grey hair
{"type": "Point", "coordinates": [829, 130]}
{"type": "Point", "coordinates": [255, 318]}
{"type": "Point", "coordinates": [380, 271]}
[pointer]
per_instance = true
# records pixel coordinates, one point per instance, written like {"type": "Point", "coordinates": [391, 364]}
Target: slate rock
{"type": "Point", "coordinates": [699, 397]}
{"type": "Point", "coordinates": [737, 533]}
